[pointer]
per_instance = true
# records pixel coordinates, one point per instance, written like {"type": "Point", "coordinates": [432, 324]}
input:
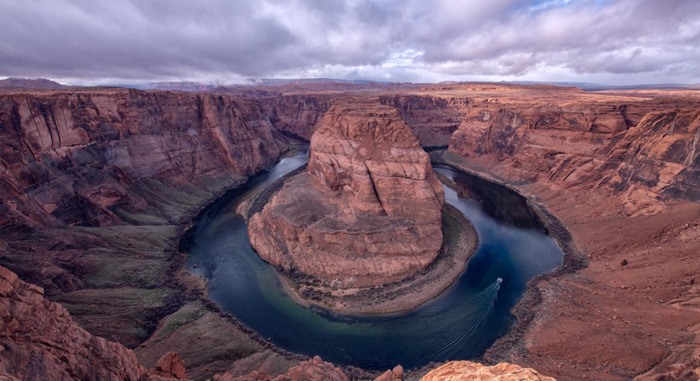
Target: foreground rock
{"type": "Point", "coordinates": [39, 341]}
{"type": "Point", "coordinates": [367, 212]}
{"type": "Point", "coordinates": [470, 371]}
{"type": "Point", "coordinates": [310, 370]}
{"type": "Point", "coordinates": [319, 370]}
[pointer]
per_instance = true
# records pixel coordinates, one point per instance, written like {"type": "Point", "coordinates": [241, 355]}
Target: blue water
{"type": "Point", "coordinates": [459, 324]}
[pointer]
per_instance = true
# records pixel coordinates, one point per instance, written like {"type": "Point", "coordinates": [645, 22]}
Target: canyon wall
{"type": "Point", "coordinates": [102, 158]}
{"type": "Point", "coordinates": [94, 187]}
{"type": "Point", "coordinates": [432, 119]}
{"type": "Point", "coordinates": [645, 149]}
{"type": "Point", "coordinates": [57, 146]}
{"type": "Point", "coordinates": [621, 172]}
{"type": "Point", "coordinates": [297, 115]}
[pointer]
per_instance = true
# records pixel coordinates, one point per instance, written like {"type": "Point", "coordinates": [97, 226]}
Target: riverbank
{"type": "Point", "coordinates": [460, 241]}
{"type": "Point", "coordinates": [196, 327]}
{"type": "Point", "coordinates": [524, 312]}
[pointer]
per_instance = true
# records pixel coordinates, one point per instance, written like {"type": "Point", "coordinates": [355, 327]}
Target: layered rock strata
{"type": "Point", "coordinates": [432, 119]}
{"type": "Point", "coordinates": [94, 184]}
{"type": "Point", "coordinates": [39, 341]}
{"type": "Point", "coordinates": [643, 148]}
{"type": "Point", "coordinates": [619, 173]}
{"type": "Point", "coordinates": [368, 210]}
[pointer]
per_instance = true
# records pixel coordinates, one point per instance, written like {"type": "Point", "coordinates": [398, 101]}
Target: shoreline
{"type": "Point", "coordinates": [523, 311]}
{"type": "Point", "coordinates": [458, 247]}
{"type": "Point", "coordinates": [195, 287]}
{"type": "Point", "coordinates": [459, 243]}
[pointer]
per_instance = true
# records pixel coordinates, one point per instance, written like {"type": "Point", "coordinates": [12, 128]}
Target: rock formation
{"type": "Point", "coordinates": [432, 119]}
{"type": "Point", "coordinates": [395, 374]}
{"type": "Point", "coordinates": [68, 148]}
{"type": "Point", "coordinates": [618, 170]}
{"type": "Point", "coordinates": [470, 371]}
{"type": "Point", "coordinates": [39, 341]}
{"type": "Point", "coordinates": [296, 114]}
{"type": "Point", "coordinates": [314, 369]}
{"type": "Point", "coordinates": [645, 148]}
{"type": "Point", "coordinates": [93, 186]}
{"type": "Point", "coordinates": [368, 210]}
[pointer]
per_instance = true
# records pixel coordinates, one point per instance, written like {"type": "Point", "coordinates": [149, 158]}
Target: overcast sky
{"type": "Point", "coordinates": [224, 41]}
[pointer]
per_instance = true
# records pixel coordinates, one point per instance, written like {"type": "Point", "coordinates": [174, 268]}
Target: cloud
{"type": "Point", "coordinates": [617, 40]}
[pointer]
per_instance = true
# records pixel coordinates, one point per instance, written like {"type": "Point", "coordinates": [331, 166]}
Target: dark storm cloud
{"type": "Point", "coordinates": [141, 37]}
{"type": "Point", "coordinates": [218, 39]}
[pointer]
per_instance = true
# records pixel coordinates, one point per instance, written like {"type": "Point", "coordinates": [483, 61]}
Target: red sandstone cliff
{"type": "Point", "coordinates": [432, 119]}
{"type": "Point", "coordinates": [39, 340]}
{"type": "Point", "coordinates": [94, 184]}
{"type": "Point", "coordinates": [93, 158]}
{"type": "Point", "coordinates": [644, 149]}
{"type": "Point", "coordinates": [296, 114]}
{"type": "Point", "coordinates": [89, 147]}
{"type": "Point", "coordinates": [368, 212]}
{"type": "Point", "coordinates": [621, 174]}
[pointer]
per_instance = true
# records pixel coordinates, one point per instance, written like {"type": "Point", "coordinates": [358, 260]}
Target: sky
{"type": "Point", "coordinates": [613, 42]}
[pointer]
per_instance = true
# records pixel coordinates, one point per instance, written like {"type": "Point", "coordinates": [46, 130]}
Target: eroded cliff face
{"type": "Point", "coordinates": [660, 154]}
{"type": "Point", "coordinates": [432, 119]}
{"type": "Point", "coordinates": [39, 340]}
{"type": "Point", "coordinates": [367, 212]}
{"type": "Point", "coordinates": [620, 172]}
{"type": "Point", "coordinates": [76, 154]}
{"type": "Point", "coordinates": [644, 149]}
{"type": "Point", "coordinates": [95, 184]}
{"type": "Point", "coordinates": [298, 115]}
{"type": "Point", "coordinates": [101, 158]}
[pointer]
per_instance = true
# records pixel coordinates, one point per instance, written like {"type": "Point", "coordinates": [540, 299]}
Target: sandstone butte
{"type": "Point", "coordinates": [368, 210]}
{"type": "Point", "coordinates": [97, 186]}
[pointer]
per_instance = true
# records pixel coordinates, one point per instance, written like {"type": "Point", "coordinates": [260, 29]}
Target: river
{"type": "Point", "coordinates": [459, 324]}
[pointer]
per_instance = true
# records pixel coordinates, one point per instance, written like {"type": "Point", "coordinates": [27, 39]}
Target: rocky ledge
{"type": "Point", "coordinates": [40, 341]}
{"type": "Point", "coordinates": [368, 210]}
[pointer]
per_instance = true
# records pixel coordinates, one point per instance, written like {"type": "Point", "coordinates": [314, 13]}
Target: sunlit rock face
{"type": "Point", "coordinates": [471, 371]}
{"type": "Point", "coordinates": [367, 211]}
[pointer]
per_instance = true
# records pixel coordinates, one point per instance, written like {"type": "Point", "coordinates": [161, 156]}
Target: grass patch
{"type": "Point", "coordinates": [185, 315]}
{"type": "Point", "coordinates": [122, 314]}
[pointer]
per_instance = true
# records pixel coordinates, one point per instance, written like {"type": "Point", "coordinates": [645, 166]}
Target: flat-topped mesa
{"type": "Point", "coordinates": [367, 212]}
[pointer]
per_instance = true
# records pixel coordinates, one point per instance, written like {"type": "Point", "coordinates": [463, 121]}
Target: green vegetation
{"type": "Point", "coordinates": [185, 315]}
{"type": "Point", "coordinates": [121, 314]}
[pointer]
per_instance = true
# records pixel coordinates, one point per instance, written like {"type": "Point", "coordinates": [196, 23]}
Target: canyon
{"type": "Point", "coordinates": [99, 184]}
